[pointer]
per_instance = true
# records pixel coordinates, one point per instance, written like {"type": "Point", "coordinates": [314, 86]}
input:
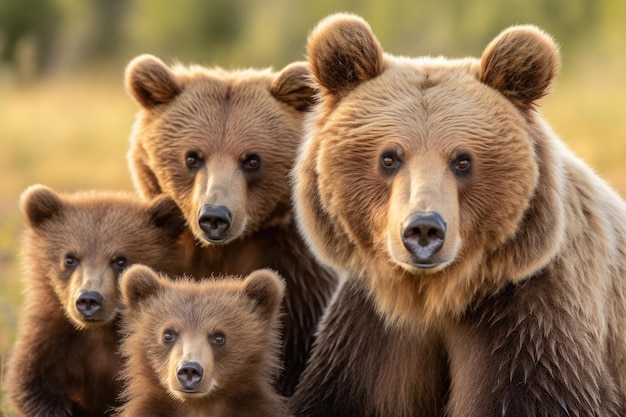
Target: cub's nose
{"type": "Point", "coordinates": [88, 303]}
{"type": "Point", "coordinates": [189, 374]}
{"type": "Point", "coordinates": [214, 221]}
{"type": "Point", "coordinates": [423, 236]}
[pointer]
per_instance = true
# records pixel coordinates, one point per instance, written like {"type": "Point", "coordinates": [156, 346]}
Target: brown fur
{"type": "Point", "coordinates": [237, 374]}
{"type": "Point", "coordinates": [64, 363]}
{"type": "Point", "coordinates": [224, 118]}
{"type": "Point", "coordinates": [521, 310]}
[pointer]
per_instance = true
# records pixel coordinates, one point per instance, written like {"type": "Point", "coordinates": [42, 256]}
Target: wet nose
{"type": "Point", "coordinates": [214, 221]}
{"type": "Point", "coordinates": [423, 236]}
{"type": "Point", "coordinates": [189, 374]}
{"type": "Point", "coordinates": [88, 303]}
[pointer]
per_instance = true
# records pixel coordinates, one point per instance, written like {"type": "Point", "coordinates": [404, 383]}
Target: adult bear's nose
{"type": "Point", "coordinates": [189, 374]}
{"type": "Point", "coordinates": [88, 303]}
{"type": "Point", "coordinates": [214, 222]}
{"type": "Point", "coordinates": [423, 236]}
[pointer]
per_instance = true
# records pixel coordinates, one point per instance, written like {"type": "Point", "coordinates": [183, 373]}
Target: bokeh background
{"type": "Point", "coordinates": [65, 117]}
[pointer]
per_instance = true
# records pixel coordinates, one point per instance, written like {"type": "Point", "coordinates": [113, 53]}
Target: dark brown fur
{"type": "Point", "coordinates": [237, 375]}
{"type": "Point", "coordinates": [521, 311]}
{"type": "Point", "coordinates": [63, 364]}
{"type": "Point", "coordinates": [224, 118]}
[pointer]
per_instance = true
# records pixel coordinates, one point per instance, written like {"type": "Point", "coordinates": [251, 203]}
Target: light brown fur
{"type": "Point", "coordinates": [533, 253]}
{"type": "Point", "coordinates": [64, 362]}
{"type": "Point", "coordinates": [237, 373]}
{"type": "Point", "coordinates": [227, 139]}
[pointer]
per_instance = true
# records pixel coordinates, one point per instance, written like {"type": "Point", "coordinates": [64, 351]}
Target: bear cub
{"type": "Point", "coordinates": [201, 348]}
{"type": "Point", "coordinates": [65, 360]}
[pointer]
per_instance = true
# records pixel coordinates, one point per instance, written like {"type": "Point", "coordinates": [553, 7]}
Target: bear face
{"type": "Point", "coordinates": [220, 143]}
{"type": "Point", "coordinates": [419, 173]}
{"type": "Point", "coordinates": [204, 344]}
{"type": "Point", "coordinates": [82, 242]}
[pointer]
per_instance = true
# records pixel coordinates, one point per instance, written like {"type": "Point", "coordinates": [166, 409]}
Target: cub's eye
{"type": "Point", "coordinates": [462, 164]}
{"type": "Point", "coordinates": [169, 336]}
{"type": "Point", "coordinates": [119, 262]}
{"type": "Point", "coordinates": [70, 261]}
{"type": "Point", "coordinates": [193, 160]}
{"type": "Point", "coordinates": [390, 161]}
{"type": "Point", "coordinates": [251, 162]}
{"type": "Point", "coordinates": [217, 339]}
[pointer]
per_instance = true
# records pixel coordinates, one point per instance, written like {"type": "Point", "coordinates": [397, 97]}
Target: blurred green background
{"type": "Point", "coordinates": [65, 118]}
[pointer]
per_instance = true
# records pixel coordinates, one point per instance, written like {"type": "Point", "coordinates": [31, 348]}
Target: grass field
{"type": "Point", "coordinates": [72, 134]}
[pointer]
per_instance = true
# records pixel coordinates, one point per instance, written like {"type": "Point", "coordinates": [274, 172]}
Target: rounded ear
{"type": "Point", "coordinates": [266, 289]}
{"type": "Point", "coordinates": [521, 63]}
{"type": "Point", "coordinates": [343, 52]}
{"type": "Point", "coordinates": [165, 214]}
{"type": "Point", "coordinates": [138, 283]}
{"type": "Point", "coordinates": [294, 87]}
{"type": "Point", "coordinates": [151, 82]}
{"type": "Point", "coordinates": [39, 204]}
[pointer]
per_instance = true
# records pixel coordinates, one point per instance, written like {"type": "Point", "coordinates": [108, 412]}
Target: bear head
{"type": "Point", "coordinates": [201, 339]}
{"type": "Point", "coordinates": [422, 174]}
{"type": "Point", "coordinates": [78, 245]}
{"type": "Point", "coordinates": [221, 143]}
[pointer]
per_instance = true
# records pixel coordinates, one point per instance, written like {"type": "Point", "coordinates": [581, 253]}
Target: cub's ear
{"type": "Point", "coordinates": [521, 63]}
{"type": "Point", "coordinates": [138, 283]}
{"type": "Point", "coordinates": [343, 52]}
{"type": "Point", "coordinates": [39, 204]}
{"type": "Point", "coordinates": [294, 86]}
{"type": "Point", "coordinates": [165, 214]}
{"type": "Point", "coordinates": [151, 82]}
{"type": "Point", "coordinates": [266, 289]}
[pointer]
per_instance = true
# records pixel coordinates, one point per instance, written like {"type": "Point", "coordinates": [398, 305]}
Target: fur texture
{"type": "Point", "coordinates": [221, 143]}
{"type": "Point", "coordinates": [489, 256]}
{"type": "Point", "coordinates": [201, 348]}
{"type": "Point", "coordinates": [65, 360]}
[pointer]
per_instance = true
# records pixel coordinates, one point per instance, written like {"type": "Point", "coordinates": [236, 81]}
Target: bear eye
{"type": "Point", "coordinates": [169, 336]}
{"type": "Point", "coordinates": [390, 161]}
{"type": "Point", "coordinates": [251, 163]}
{"type": "Point", "coordinates": [193, 160]}
{"type": "Point", "coordinates": [217, 339]}
{"type": "Point", "coordinates": [462, 164]}
{"type": "Point", "coordinates": [70, 261]}
{"type": "Point", "coordinates": [119, 262]}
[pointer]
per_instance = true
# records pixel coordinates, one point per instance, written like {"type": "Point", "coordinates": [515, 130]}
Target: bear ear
{"type": "Point", "coordinates": [165, 214]}
{"type": "Point", "coordinates": [266, 289]}
{"type": "Point", "coordinates": [343, 52]}
{"type": "Point", "coordinates": [521, 63]}
{"type": "Point", "coordinates": [294, 87]}
{"type": "Point", "coordinates": [137, 283]}
{"type": "Point", "coordinates": [151, 82]}
{"type": "Point", "coordinates": [39, 204]}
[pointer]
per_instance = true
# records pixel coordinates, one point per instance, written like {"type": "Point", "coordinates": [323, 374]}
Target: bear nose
{"type": "Point", "coordinates": [189, 374]}
{"type": "Point", "coordinates": [424, 235]}
{"type": "Point", "coordinates": [88, 303]}
{"type": "Point", "coordinates": [214, 221]}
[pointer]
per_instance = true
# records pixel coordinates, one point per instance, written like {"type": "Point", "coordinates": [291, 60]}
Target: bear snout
{"type": "Point", "coordinates": [189, 374]}
{"type": "Point", "coordinates": [214, 222]}
{"type": "Point", "coordinates": [423, 236]}
{"type": "Point", "coordinates": [88, 303]}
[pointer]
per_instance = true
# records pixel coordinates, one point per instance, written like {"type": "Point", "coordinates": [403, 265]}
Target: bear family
{"type": "Point", "coordinates": [65, 360]}
{"type": "Point", "coordinates": [221, 144]}
{"type": "Point", "coordinates": [486, 269]}
{"type": "Point", "coordinates": [198, 348]}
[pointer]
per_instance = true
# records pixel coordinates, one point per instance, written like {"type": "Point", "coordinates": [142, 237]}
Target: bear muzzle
{"type": "Point", "coordinates": [214, 222]}
{"type": "Point", "coordinates": [423, 235]}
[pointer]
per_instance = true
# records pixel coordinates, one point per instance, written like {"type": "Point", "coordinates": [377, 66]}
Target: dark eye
{"type": "Point", "coordinates": [251, 162]}
{"type": "Point", "coordinates": [462, 164]}
{"type": "Point", "coordinates": [119, 262]}
{"type": "Point", "coordinates": [217, 339]}
{"type": "Point", "coordinates": [70, 261]}
{"type": "Point", "coordinates": [169, 336]}
{"type": "Point", "coordinates": [390, 161]}
{"type": "Point", "coordinates": [193, 160]}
